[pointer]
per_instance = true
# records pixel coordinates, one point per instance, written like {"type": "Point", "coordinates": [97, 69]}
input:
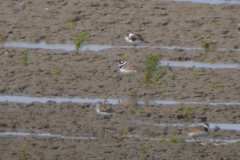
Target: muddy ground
{"type": "Point", "coordinates": [120, 136]}
{"type": "Point", "coordinates": [88, 74]}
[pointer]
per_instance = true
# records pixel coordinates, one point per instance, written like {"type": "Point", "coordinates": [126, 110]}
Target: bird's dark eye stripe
{"type": "Point", "coordinates": [120, 66]}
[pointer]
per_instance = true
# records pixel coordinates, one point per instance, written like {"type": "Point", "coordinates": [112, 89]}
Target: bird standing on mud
{"type": "Point", "coordinates": [197, 131]}
{"type": "Point", "coordinates": [128, 68]}
{"type": "Point", "coordinates": [104, 109]}
{"type": "Point", "coordinates": [134, 39]}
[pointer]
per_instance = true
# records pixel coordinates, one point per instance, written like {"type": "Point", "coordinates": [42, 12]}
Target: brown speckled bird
{"type": "Point", "coordinates": [197, 131]}
{"type": "Point", "coordinates": [104, 109]}
{"type": "Point", "coordinates": [134, 39]}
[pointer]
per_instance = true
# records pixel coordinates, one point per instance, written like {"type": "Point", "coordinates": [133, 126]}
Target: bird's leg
{"type": "Point", "coordinates": [195, 139]}
{"type": "Point", "coordinates": [134, 50]}
{"type": "Point", "coordinates": [129, 78]}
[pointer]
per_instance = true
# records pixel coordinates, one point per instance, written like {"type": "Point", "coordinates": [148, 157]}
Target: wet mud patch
{"type": "Point", "coordinates": [75, 119]}
{"type": "Point", "coordinates": [107, 22]}
{"type": "Point", "coordinates": [88, 73]}
{"type": "Point", "coordinates": [115, 137]}
{"type": "Point", "coordinates": [61, 73]}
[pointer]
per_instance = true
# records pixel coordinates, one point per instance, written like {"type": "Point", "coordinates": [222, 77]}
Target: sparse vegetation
{"type": "Point", "coordinates": [143, 148]}
{"type": "Point", "coordinates": [188, 111]}
{"type": "Point", "coordinates": [127, 6]}
{"type": "Point", "coordinates": [195, 74]}
{"type": "Point", "coordinates": [214, 85]}
{"type": "Point", "coordinates": [164, 110]}
{"type": "Point", "coordinates": [56, 139]}
{"type": "Point", "coordinates": [209, 21]}
{"type": "Point", "coordinates": [181, 139]}
{"type": "Point", "coordinates": [139, 108]}
{"type": "Point", "coordinates": [56, 71]}
{"type": "Point", "coordinates": [173, 139]}
{"type": "Point", "coordinates": [42, 156]}
{"type": "Point", "coordinates": [161, 85]}
{"type": "Point", "coordinates": [162, 139]}
{"type": "Point", "coordinates": [180, 106]}
{"type": "Point", "coordinates": [150, 66]}
{"type": "Point", "coordinates": [161, 72]}
{"type": "Point", "coordinates": [105, 96]}
{"type": "Point", "coordinates": [24, 152]}
{"type": "Point", "coordinates": [70, 24]}
{"type": "Point", "coordinates": [14, 125]}
{"type": "Point", "coordinates": [124, 132]}
{"type": "Point", "coordinates": [25, 57]}
{"type": "Point", "coordinates": [152, 135]}
{"type": "Point", "coordinates": [152, 72]}
{"type": "Point", "coordinates": [79, 39]}
{"type": "Point", "coordinates": [212, 60]}
{"type": "Point", "coordinates": [206, 43]}
{"type": "Point", "coordinates": [126, 55]}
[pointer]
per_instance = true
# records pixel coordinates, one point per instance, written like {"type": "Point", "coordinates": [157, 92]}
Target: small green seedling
{"type": "Point", "coordinates": [160, 85]}
{"type": "Point", "coordinates": [79, 39]}
{"type": "Point", "coordinates": [173, 139]}
{"type": "Point", "coordinates": [143, 148]}
{"type": "Point", "coordinates": [188, 111]}
{"type": "Point", "coordinates": [151, 64]}
{"type": "Point", "coordinates": [71, 24]}
{"type": "Point", "coordinates": [56, 71]}
{"type": "Point", "coordinates": [181, 139]}
{"type": "Point", "coordinates": [126, 55]}
{"type": "Point", "coordinates": [214, 85]}
{"type": "Point", "coordinates": [124, 132]}
{"type": "Point", "coordinates": [162, 139]}
{"type": "Point", "coordinates": [24, 152]}
{"type": "Point", "coordinates": [25, 57]}
{"type": "Point", "coordinates": [42, 156]}
{"type": "Point", "coordinates": [195, 74]}
{"type": "Point", "coordinates": [212, 61]}
{"type": "Point", "coordinates": [161, 72]}
{"type": "Point", "coordinates": [209, 21]}
{"type": "Point", "coordinates": [105, 96]}
{"type": "Point", "coordinates": [206, 43]}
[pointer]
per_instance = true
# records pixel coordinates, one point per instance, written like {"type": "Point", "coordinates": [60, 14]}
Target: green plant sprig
{"type": "Point", "coordinates": [188, 111]}
{"type": "Point", "coordinates": [79, 39]}
{"type": "Point", "coordinates": [173, 139]}
{"type": "Point", "coordinates": [25, 57]}
{"type": "Point", "coordinates": [151, 64]}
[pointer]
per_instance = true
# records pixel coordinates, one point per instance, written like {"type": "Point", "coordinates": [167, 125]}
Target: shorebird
{"type": "Point", "coordinates": [216, 129]}
{"type": "Point", "coordinates": [239, 27]}
{"type": "Point", "coordinates": [197, 131]}
{"type": "Point", "coordinates": [128, 68]}
{"type": "Point", "coordinates": [104, 109]}
{"type": "Point", "coordinates": [134, 39]}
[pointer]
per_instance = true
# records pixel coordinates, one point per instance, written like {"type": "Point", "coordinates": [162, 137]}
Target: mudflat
{"type": "Point", "coordinates": [74, 130]}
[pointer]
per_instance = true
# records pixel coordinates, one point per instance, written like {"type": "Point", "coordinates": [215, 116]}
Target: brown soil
{"type": "Point", "coordinates": [88, 73]}
{"type": "Point", "coordinates": [114, 135]}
